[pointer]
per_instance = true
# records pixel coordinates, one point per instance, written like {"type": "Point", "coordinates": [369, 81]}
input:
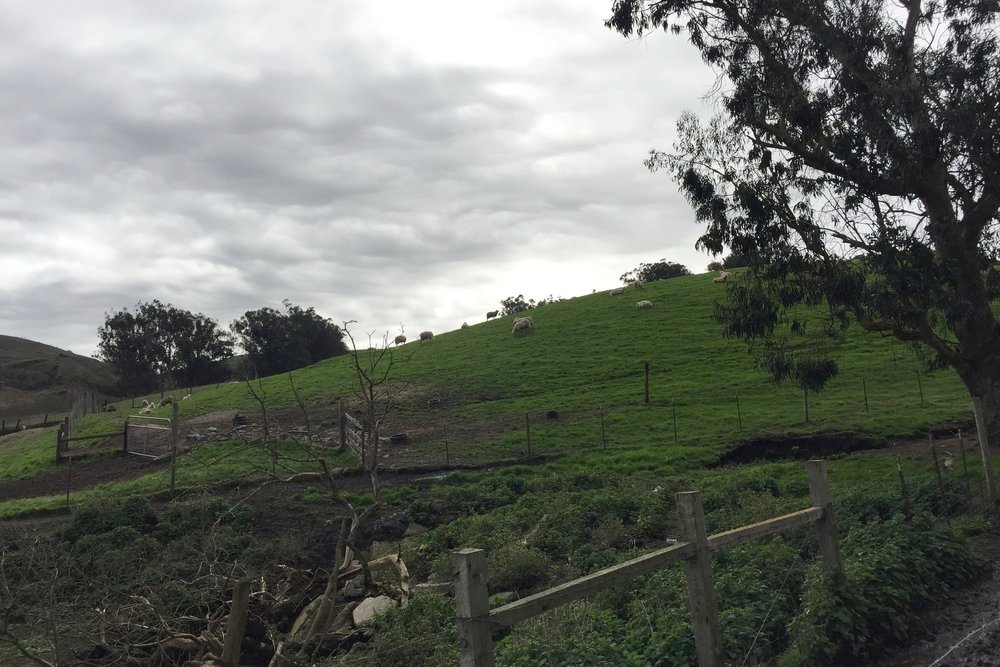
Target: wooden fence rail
{"type": "Point", "coordinates": [63, 439]}
{"type": "Point", "coordinates": [476, 621]}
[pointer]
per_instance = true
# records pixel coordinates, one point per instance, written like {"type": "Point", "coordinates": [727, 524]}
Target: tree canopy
{"type": "Point", "coordinates": [277, 342]}
{"type": "Point", "coordinates": [159, 345]}
{"type": "Point", "coordinates": [647, 272]}
{"type": "Point", "coordinates": [856, 164]}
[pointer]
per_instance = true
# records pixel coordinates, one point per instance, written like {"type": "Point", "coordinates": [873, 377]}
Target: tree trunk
{"type": "Point", "coordinates": [983, 380]}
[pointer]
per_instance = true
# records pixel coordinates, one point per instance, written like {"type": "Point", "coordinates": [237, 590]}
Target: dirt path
{"type": "Point", "coordinates": [79, 476]}
{"type": "Point", "coordinates": [965, 630]}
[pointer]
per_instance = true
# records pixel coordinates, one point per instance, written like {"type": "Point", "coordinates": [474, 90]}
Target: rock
{"type": "Point", "coordinates": [414, 529]}
{"type": "Point", "coordinates": [354, 589]}
{"type": "Point", "coordinates": [339, 621]}
{"type": "Point", "coordinates": [369, 608]}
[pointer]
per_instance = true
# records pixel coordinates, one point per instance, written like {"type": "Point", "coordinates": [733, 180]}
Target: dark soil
{"type": "Point", "coordinates": [78, 476]}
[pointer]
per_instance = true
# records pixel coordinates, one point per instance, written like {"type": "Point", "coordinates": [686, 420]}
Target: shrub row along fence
{"type": "Point", "coordinates": [476, 621]}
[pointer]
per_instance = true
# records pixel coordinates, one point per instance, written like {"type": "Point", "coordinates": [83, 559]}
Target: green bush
{"type": "Point", "coordinates": [893, 569]}
{"type": "Point", "coordinates": [105, 515]}
{"type": "Point", "coordinates": [515, 567]}
{"type": "Point", "coordinates": [423, 634]}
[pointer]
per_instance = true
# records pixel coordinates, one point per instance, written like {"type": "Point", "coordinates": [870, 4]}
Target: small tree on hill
{"type": "Point", "coordinates": [856, 165]}
{"type": "Point", "coordinates": [649, 272]}
{"type": "Point", "coordinates": [515, 304]}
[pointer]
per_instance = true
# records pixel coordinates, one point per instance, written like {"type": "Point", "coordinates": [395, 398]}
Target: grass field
{"type": "Point", "coordinates": [607, 494]}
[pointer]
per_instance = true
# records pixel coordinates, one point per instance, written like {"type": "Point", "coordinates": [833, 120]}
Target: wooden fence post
{"type": "Point", "coordinates": [125, 436]}
{"type": "Point", "coordinates": [174, 427]}
{"type": "Point", "coordinates": [604, 435]}
{"type": "Point", "coordinates": [940, 480]}
{"type": "Point", "coordinates": [237, 625]}
{"type": "Point", "coordinates": [805, 403]}
{"type": "Point", "coordinates": [864, 388]}
{"type": "Point", "coordinates": [965, 466]}
{"type": "Point", "coordinates": [645, 384]}
{"type": "Point", "coordinates": [984, 450]}
{"type": "Point", "coordinates": [920, 387]}
{"type": "Point", "coordinates": [701, 590]}
{"type": "Point", "coordinates": [739, 413]}
{"type": "Point", "coordinates": [527, 432]}
{"type": "Point", "coordinates": [826, 528]}
{"type": "Point", "coordinates": [902, 488]}
{"type": "Point", "coordinates": [673, 410]}
{"type": "Point", "coordinates": [472, 607]}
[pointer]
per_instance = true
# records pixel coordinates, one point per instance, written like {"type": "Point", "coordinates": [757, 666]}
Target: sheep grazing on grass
{"type": "Point", "coordinates": [426, 335]}
{"type": "Point", "coordinates": [166, 400]}
{"type": "Point", "coordinates": [616, 292]}
{"type": "Point", "coordinates": [490, 315]}
{"type": "Point", "coordinates": [638, 284]}
{"type": "Point", "coordinates": [722, 277]}
{"type": "Point", "coordinates": [399, 340]}
{"type": "Point", "coordinates": [465, 325]}
{"type": "Point", "coordinates": [522, 324]}
{"type": "Point", "coordinates": [644, 305]}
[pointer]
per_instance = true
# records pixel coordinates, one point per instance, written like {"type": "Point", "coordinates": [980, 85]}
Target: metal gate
{"type": "Point", "coordinates": [149, 437]}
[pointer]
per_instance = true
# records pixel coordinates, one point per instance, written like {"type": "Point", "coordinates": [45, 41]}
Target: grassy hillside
{"type": "Point", "coordinates": [587, 354]}
{"type": "Point", "coordinates": [36, 378]}
{"type": "Point", "coordinates": [605, 494]}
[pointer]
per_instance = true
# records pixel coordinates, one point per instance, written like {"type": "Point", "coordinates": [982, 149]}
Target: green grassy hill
{"type": "Point", "coordinates": [587, 354]}
{"type": "Point", "coordinates": [604, 493]}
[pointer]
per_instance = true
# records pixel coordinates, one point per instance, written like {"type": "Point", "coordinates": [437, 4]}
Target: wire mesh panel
{"type": "Point", "coordinates": [148, 436]}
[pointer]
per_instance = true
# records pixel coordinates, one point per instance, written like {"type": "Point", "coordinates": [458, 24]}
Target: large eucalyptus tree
{"type": "Point", "coordinates": [856, 163]}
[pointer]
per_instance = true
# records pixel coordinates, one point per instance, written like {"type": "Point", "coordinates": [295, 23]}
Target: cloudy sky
{"type": "Point", "coordinates": [387, 162]}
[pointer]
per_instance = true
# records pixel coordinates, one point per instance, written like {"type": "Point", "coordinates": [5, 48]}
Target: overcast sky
{"type": "Point", "coordinates": [387, 162]}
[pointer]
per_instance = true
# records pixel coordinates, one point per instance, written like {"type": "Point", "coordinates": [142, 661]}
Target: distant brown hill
{"type": "Point", "coordinates": [36, 378]}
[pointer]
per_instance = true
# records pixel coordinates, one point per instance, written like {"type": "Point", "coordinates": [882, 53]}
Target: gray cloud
{"type": "Point", "coordinates": [383, 163]}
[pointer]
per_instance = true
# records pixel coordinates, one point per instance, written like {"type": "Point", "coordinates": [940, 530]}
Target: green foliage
{"type": "Point", "coordinates": [159, 345]}
{"type": "Point", "coordinates": [577, 635]}
{"type": "Point", "coordinates": [278, 342]}
{"type": "Point", "coordinates": [104, 516]}
{"type": "Point", "coordinates": [809, 170]}
{"type": "Point", "coordinates": [516, 567]}
{"type": "Point", "coordinates": [893, 569]}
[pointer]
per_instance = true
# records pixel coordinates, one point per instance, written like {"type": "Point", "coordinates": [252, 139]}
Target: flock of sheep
{"type": "Point", "coordinates": [149, 406]}
{"type": "Point", "coordinates": [527, 324]}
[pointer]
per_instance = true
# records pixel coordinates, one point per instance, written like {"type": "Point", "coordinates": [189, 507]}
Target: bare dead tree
{"type": "Point", "coordinates": [378, 392]}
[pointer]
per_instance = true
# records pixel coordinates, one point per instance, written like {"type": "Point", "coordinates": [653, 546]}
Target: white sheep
{"type": "Point", "coordinates": [426, 335]}
{"type": "Point", "coordinates": [722, 277]}
{"type": "Point", "coordinates": [491, 314]}
{"type": "Point", "coordinates": [617, 291]}
{"type": "Point", "coordinates": [644, 305]}
{"type": "Point", "coordinates": [465, 325]}
{"type": "Point", "coordinates": [638, 284]}
{"type": "Point", "coordinates": [399, 340]}
{"type": "Point", "coordinates": [166, 400]}
{"type": "Point", "coordinates": [522, 324]}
